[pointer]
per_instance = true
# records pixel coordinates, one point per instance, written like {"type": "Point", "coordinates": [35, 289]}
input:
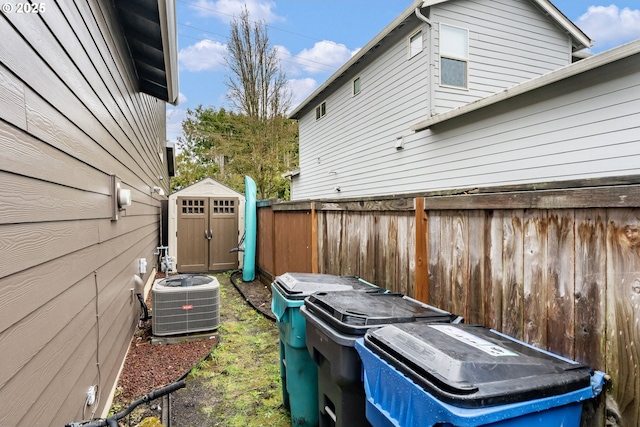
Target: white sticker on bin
{"type": "Point", "coordinates": [474, 341]}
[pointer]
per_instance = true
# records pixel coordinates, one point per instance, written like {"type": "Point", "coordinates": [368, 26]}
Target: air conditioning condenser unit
{"type": "Point", "coordinates": [184, 304]}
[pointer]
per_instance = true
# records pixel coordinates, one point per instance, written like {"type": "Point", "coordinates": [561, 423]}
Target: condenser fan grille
{"type": "Point", "coordinates": [185, 309]}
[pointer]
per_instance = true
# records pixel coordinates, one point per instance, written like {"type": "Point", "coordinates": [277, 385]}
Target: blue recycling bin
{"type": "Point", "coordinates": [418, 375]}
{"type": "Point", "coordinates": [334, 321]}
{"type": "Point", "coordinates": [298, 371]}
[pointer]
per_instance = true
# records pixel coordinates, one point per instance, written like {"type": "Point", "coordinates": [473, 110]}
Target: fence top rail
{"type": "Point", "coordinates": [623, 191]}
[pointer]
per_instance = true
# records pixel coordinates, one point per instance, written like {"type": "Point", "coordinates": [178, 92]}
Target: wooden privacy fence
{"type": "Point", "coordinates": [558, 268]}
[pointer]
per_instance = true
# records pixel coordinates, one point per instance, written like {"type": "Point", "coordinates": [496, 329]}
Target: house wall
{"type": "Point", "coordinates": [585, 126]}
{"type": "Point", "coordinates": [70, 116]}
{"type": "Point", "coordinates": [510, 41]}
{"type": "Point", "coordinates": [354, 144]}
{"type": "Point", "coordinates": [394, 87]}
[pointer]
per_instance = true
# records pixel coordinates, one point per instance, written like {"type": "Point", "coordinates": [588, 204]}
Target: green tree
{"type": "Point", "coordinates": [255, 139]}
{"type": "Point", "coordinates": [206, 132]}
{"type": "Point", "coordinates": [258, 91]}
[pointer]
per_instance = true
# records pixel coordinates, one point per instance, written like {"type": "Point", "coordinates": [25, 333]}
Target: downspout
{"type": "Point", "coordinates": [432, 89]}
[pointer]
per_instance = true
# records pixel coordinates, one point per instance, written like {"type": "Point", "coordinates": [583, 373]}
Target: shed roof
{"type": "Point", "coordinates": [149, 27]}
{"type": "Point", "coordinates": [578, 38]}
{"type": "Point", "coordinates": [207, 183]}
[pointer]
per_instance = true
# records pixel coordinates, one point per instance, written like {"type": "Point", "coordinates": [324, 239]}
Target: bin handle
{"type": "Point", "coordinates": [331, 414]}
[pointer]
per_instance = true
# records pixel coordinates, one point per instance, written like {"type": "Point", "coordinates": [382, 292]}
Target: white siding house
{"type": "Point", "coordinates": [358, 133]}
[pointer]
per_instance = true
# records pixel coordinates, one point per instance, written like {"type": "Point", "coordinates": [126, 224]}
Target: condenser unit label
{"type": "Point", "coordinates": [187, 307]}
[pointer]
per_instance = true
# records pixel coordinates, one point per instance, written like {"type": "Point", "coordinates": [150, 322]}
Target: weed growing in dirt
{"type": "Point", "coordinates": [243, 372]}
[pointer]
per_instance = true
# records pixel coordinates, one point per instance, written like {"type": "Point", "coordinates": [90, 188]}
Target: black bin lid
{"type": "Point", "coordinates": [472, 366]}
{"type": "Point", "coordinates": [354, 312]}
{"type": "Point", "coordinates": [185, 280]}
{"type": "Point", "coordinates": [298, 286]}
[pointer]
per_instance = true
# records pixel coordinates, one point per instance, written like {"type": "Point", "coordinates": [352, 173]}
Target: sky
{"type": "Point", "coordinates": [315, 37]}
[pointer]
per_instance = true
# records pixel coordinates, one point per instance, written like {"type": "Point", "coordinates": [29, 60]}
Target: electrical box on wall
{"type": "Point", "coordinates": [120, 198]}
{"type": "Point", "coordinates": [142, 266]}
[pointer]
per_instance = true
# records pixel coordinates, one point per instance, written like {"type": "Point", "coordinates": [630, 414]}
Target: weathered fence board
{"type": "Point", "coordinates": [623, 312]}
{"type": "Point", "coordinates": [476, 304]}
{"type": "Point", "coordinates": [560, 281]}
{"type": "Point", "coordinates": [436, 276]}
{"type": "Point", "coordinates": [512, 274]}
{"type": "Point", "coordinates": [535, 277]}
{"type": "Point", "coordinates": [564, 278]}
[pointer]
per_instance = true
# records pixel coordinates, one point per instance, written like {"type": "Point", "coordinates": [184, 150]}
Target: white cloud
{"type": "Point", "coordinates": [175, 116]}
{"type": "Point", "coordinates": [225, 10]}
{"type": "Point", "coordinates": [300, 89]}
{"type": "Point", "coordinates": [205, 55]}
{"type": "Point", "coordinates": [324, 56]}
{"type": "Point", "coordinates": [610, 26]}
{"type": "Point", "coordinates": [287, 61]}
{"type": "Point", "coordinates": [181, 98]}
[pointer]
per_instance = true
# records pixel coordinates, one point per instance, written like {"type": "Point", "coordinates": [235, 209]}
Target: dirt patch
{"type": "Point", "coordinates": [149, 367]}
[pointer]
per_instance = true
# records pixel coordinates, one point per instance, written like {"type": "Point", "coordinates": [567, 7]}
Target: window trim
{"type": "Point", "coordinates": [409, 45]}
{"type": "Point", "coordinates": [321, 110]}
{"type": "Point", "coordinates": [353, 86]}
{"type": "Point", "coordinates": [454, 57]}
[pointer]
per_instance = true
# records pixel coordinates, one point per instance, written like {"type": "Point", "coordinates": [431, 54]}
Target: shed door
{"type": "Point", "coordinates": [223, 223]}
{"type": "Point", "coordinates": [193, 223]}
{"type": "Point", "coordinates": [207, 231]}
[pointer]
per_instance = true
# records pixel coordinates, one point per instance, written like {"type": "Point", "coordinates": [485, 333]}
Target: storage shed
{"type": "Point", "coordinates": [206, 221]}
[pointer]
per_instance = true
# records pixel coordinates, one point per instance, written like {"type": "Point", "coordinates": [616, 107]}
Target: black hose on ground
{"type": "Point", "coordinates": [235, 285]}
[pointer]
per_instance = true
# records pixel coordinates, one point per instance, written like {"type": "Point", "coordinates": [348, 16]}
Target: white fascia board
{"type": "Point", "coordinates": [356, 58]}
{"type": "Point", "coordinates": [167, 12]}
{"type": "Point", "coordinates": [593, 62]}
{"type": "Point", "coordinates": [575, 32]}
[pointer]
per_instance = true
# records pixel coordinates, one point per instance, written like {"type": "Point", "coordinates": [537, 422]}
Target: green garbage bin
{"type": "Point", "coordinates": [298, 370]}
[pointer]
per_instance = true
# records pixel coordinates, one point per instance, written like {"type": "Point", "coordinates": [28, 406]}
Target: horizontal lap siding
{"type": "Point", "coordinates": [69, 118]}
{"type": "Point", "coordinates": [509, 42]}
{"type": "Point", "coordinates": [393, 87]}
{"type": "Point", "coordinates": [585, 127]}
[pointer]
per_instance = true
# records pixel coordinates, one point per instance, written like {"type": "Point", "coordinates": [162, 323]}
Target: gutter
{"type": "Point", "coordinates": [431, 60]}
{"type": "Point", "coordinates": [587, 64]}
{"type": "Point", "coordinates": [356, 58]}
{"type": "Point", "coordinates": [167, 12]}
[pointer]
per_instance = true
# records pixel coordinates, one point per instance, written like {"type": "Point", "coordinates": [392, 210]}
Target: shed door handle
{"type": "Point", "coordinates": [208, 234]}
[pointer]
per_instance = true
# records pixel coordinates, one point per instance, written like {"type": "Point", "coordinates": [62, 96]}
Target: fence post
{"type": "Point", "coordinates": [314, 238]}
{"type": "Point", "coordinates": [422, 252]}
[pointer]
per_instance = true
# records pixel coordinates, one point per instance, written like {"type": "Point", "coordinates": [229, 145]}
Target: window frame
{"type": "Point", "coordinates": [321, 110]}
{"type": "Point", "coordinates": [410, 53]}
{"type": "Point", "coordinates": [454, 57]}
{"type": "Point", "coordinates": [353, 86]}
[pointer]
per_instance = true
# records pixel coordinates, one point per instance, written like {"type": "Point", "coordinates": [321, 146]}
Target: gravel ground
{"type": "Point", "coordinates": [150, 366]}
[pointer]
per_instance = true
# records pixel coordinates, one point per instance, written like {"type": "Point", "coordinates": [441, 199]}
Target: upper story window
{"type": "Point", "coordinates": [356, 86]}
{"type": "Point", "coordinates": [321, 110]}
{"type": "Point", "coordinates": [454, 56]}
{"type": "Point", "coordinates": [415, 44]}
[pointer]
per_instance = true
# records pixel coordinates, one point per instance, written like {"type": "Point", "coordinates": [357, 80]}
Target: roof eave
{"type": "Point", "coordinates": [580, 39]}
{"type": "Point", "coordinates": [167, 9]}
{"type": "Point", "coordinates": [357, 57]}
{"type": "Point", "coordinates": [587, 64]}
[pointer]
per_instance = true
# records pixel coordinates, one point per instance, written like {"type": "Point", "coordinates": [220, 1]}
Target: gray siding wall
{"type": "Point", "coordinates": [352, 147]}
{"type": "Point", "coordinates": [587, 126]}
{"type": "Point", "coordinates": [394, 95]}
{"type": "Point", "coordinates": [70, 116]}
{"type": "Point", "coordinates": [510, 41]}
